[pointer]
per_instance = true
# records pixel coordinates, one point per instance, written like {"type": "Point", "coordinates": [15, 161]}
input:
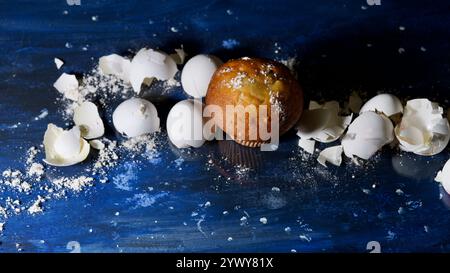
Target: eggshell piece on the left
{"type": "Point", "coordinates": [64, 147]}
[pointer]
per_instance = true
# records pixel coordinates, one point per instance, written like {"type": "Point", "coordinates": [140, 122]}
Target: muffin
{"type": "Point", "coordinates": [255, 83]}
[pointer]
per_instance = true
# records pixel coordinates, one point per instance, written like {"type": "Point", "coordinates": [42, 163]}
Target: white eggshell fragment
{"type": "Point", "coordinates": [423, 130]}
{"type": "Point", "coordinates": [185, 124]}
{"type": "Point", "coordinates": [197, 73]}
{"type": "Point", "coordinates": [322, 122]}
{"type": "Point", "coordinates": [307, 145]}
{"type": "Point", "coordinates": [87, 118]}
{"type": "Point", "coordinates": [332, 155]}
{"type": "Point", "coordinates": [67, 85]}
{"type": "Point", "coordinates": [135, 117]}
{"type": "Point", "coordinates": [97, 144]}
{"type": "Point", "coordinates": [148, 64]}
{"type": "Point", "coordinates": [384, 103]}
{"type": "Point", "coordinates": [444, 177]}
{"type": "Point", "coordinates": [367, 134]}
{"type": "Point", "coordinates": [115, 65]}
{"type": "Point", "coordinates": [58, 62]}
{"type": "Point", "coordinates": [64, 147]}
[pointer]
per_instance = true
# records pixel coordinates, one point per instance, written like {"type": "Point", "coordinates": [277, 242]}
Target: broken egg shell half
{"type": "Point", "coordinates": [64, 147]}
{"type": "Point", "coordinates": [135, 117]}
{"type": "Point", "coordinates": [115, 65]}
{"type": "Point", "coordinates": [443, 177]}
{"type": "Point", "coordinates": [367, 134]}
{"type": "Point", "coordinates": [67, 85]}
{"type": "Point", "coordinates": [87, 118]}
{"type": "Point", "coordinates": [322, 122]}
{"type": "Point", "coordinates": [384, 103]}
{"type": "Point", "coordinates": [422, 129]}
{"type": "Point", "coordinates": [185, 124]}
{"type": "Point", "coordinates": [148, 64]}
{"type": "Point", "coordinates": [197, 74]}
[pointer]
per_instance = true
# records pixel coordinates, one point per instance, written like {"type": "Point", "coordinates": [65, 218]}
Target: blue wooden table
{"type": "Point", "coordinates": [196, 202]}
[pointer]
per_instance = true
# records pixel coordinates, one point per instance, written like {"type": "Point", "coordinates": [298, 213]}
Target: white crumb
{"type": "Point", "coordinates": [37, 206]}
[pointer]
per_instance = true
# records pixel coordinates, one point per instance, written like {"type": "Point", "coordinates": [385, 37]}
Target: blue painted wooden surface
{"type": "Point", "coordinates": [327, 207]}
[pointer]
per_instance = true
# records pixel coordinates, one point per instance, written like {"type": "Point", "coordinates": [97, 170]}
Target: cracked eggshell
{"type": "Point", "coordinates": [197, 74]}
{"type": "Point", "coordinates": [115, 65]}
{"type": "Point", "coordinates": [185, 124]}
{"type": "Point", "coordinates": [148, 64]}
{"type": "Point", "coordinates": [423, 130]}
{"type": "Point", "coordinates": [384, 103]}
{"type": "Point", "coordinates": [332, 155]}
{"type": "Point", "coordinates": [307, 145]}
{"type": "Point", "coordinates": [443, 177]}
{"type": "Point", "coordinates": [67, 85]}
{"type": "Point", "coordinates": [64, 147]}
{"type": "Point", "coordinates": [322, 122]}
{"type": "Point", "coordinates": [87, 118]}
{"type": "Point", "coordinates": [135, 117]}
{"type": "Point", "coordinates": [367, 134]}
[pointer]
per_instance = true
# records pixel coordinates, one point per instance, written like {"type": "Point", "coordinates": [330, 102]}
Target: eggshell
{"type": "Point", "coordinates": [148, 64]}
{"type": "Point", "coordinates": [67, 85]}
{"type": "Point", "coordinates": [367, 134]}
{"type": "Point", "coordinates": [443, 176]}
{"type": "Point", "coordinates": [423, 130]}
{"type": "Point", "coordinates": [322, 122]}
{"type": "Point", "coordinates": [307, 145]}
{"type": "Point", "coordinates": [58, 62]}
{"type": "Point", "coordinates": [197, 74]}
{"type": "Point", "coordinates": [185, 124]}
{"type": "Point", "coordinates": [135, 117]}
{"type": "Point", "coordinates": [87, 118]}
{"type": "Point", "coordinates": [115, 65]}
{"type": "Point", "coordinates": [97, 144]}
{"type": "Point", "coordinates": [64, 147]}
{"type": "Point", "coordinates": [332, 155]}
{"type": "Point", "coordinates": [384, 103]}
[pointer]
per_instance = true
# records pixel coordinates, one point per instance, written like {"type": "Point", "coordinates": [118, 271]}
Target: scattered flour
{"type": "Point", "coordinates": [36, 207]}
{"type": "Point", "coordinates": [75, 184]}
